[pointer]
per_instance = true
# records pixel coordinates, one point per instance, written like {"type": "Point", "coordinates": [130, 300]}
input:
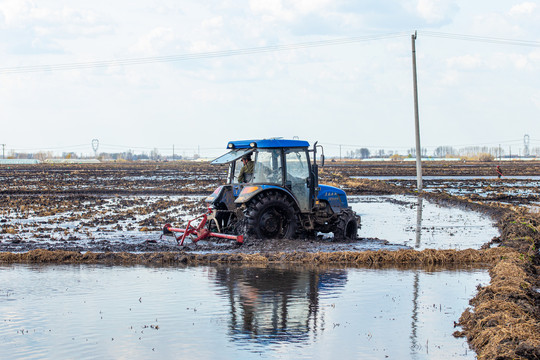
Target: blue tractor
{"type": "Point", "coordinates": [277, 194]}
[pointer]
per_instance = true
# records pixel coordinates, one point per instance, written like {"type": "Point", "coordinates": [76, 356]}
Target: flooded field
{"type": "Point", "coordinates": [84, 311]}
{"type": "Point", "coordinates": [520, 190]}
{"type": "Point", "coordinates": [124, 223]}
{"type": "Point", "coordinates": [283, 306]}
{"type": "Point", "coordinates": [418, 223]}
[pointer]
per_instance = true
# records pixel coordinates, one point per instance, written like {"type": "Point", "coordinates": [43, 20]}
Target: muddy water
{"type": "Point", "coordinates": [232, 312]}
{"type": "Point", "coordinates": [421, 224]}
{"type": "Point", "coordinates": [517, 190]}
{"type": "Point", "coordinates": [388, 222]}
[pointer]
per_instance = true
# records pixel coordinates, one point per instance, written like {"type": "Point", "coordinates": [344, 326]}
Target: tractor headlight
{"type": "Point", "coordinates": [249, 189]}
{"type": "Point", "coordinates": [245, 194]}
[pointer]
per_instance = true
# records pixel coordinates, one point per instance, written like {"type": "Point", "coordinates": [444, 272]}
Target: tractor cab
{"type": "Point", "coordinates": [276, 163]}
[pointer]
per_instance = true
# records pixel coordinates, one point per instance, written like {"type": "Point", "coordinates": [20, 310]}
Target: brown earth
{"type": "Point", "coordinates": [503, 322]}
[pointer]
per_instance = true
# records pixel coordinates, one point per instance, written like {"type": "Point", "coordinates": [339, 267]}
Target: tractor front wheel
{"type": "Point", "coordinates": [271, 216]}
{"type": "Point", "coordinates": [347, 226]}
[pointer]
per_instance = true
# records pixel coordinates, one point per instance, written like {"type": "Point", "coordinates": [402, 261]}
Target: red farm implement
{"type": "Point", "coordinates": [197, 231]}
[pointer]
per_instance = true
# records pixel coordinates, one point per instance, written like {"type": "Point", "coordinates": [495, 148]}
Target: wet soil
{"type": "Point", "coordinates": [121, 206]}
{"type": "Point", "coordinates": [89, 213]}
{"type": "Point", "coordinates": [433, 168]}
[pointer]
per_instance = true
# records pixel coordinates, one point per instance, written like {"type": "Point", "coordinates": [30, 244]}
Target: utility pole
{"type": "Point", "coordinates": [173, 152]}
{"type": "Point", "coordinates": [339, 152]}
{"type": "Point", "coordinates": [3, 147]}
{"type": "Point", "coordinates": [416, 118]}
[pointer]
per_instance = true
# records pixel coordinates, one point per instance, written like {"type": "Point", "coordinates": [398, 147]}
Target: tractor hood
{"type": "Point", "coordinates": [334, 196]}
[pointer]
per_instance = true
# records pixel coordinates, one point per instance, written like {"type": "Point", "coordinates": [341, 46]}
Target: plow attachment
{"type": "Point", "coordinates": [197, 232]}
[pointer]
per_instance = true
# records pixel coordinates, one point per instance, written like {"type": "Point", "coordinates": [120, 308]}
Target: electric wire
{"type": "Point", "coordinates": [256, 50]}
{"type": "Point", "coordinates": [484, 39]}
{"type": "Point", "coordinates": [195, 56]}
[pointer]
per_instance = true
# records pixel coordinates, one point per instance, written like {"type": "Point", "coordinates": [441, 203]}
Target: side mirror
{"type": "Point", "coordinates": [322, 160]}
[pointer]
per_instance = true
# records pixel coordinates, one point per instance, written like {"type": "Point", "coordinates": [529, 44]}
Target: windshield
{"type": "Point", "coordinates": [265, 167]}
{"type": "Point", "coordinates": [268, 166]}
{"type": "Point", "coordinates": [231, 156]}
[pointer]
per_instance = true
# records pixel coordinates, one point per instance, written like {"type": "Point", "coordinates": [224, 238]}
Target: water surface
{"type": "Point", "coordinates": [421, 224]}
{"type": "Point", "coordinates": [82, 311]}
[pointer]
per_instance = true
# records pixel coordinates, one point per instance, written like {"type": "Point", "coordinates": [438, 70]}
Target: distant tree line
{"type": "Point", "coordinates": [495, 152]}
{"type": "Point", "coordinates": [129, 155]}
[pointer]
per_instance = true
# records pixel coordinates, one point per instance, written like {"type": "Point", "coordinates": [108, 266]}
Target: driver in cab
{"type": "Point", "coordinates": [246, 173]}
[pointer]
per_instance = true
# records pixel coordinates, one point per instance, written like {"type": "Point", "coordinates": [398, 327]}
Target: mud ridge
{"type": "Point", "coordinates": [381, 257]}
{"type": "Point", "coordinates": [504, 321]}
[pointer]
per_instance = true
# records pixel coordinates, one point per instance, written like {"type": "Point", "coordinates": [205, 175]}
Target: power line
{"type": "Point", "coordinates": [120, 147]}
{"type": "Point", "coordinates": [196, 56]}
{"type": "Point", "coordinates": [484, 39]}
{"type": "Point", "coordinates": [51, 148]}
{"type": "Point", "coordinates": [256, 50]}
{"type": "Point", "coordinates": [159, 148]}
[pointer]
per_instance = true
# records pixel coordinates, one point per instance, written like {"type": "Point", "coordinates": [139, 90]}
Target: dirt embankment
{"type": "Point", "coordinates": [370, 258]}
{"type": "Point", "coordinates": [504, 322]}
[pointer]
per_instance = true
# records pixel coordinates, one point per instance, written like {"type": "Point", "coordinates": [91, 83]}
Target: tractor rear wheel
{"type": "Point", "coordinates": [347, 226]}
{"type": "Point", "coordinates": [271, 216]}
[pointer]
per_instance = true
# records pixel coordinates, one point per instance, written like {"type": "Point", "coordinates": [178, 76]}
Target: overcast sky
{"type": "Point", "coordinates": [357, 92]}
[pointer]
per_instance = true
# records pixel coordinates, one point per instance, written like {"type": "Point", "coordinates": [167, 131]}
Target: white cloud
{"type": "Point", "coordinates": [535, 57]}
{"type": "Point", "coordinates": [525, 8]}
{"type": "Point", "coordinates": [535, 98]}
{"type": "Point", "coordinates": [307, 6]}
{"type": "Point", "coordinates": [512, 62]}
{"type": "Point", "coordinates": [213, 23]}
{"type": "Point", "coordinates": [436, 11]}
{"type": "Point", "coordinates": [278, 10]}
{"type": "Point", "coordinates": [202, 46]}
{"type": "Point", "coordinates": [26, 14]}
{"type": "Point", "coordinates": [450, 78]}
{"type": "Point", "coordinates": [465, 62]}
{"type": "Point", "coordinates": [495, 25]}
{"type": "Point", "coordinates": [16, 12]}
{"type": "Point", "coordinates": [519, 61]}
{"type": "Point", "coordinates": [271, 10]}
{"type": "Point", "coordinates": [154, 41]}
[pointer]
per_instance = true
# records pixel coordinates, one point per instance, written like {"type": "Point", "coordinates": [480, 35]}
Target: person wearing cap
{"type": "Point", "coordinates": [246, 173]}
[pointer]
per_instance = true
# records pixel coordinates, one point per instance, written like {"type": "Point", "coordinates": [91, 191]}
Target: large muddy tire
{"type": "Point", "coordinates": [347, 226]}
{"type": "Point", "coordinates": [271, 216]}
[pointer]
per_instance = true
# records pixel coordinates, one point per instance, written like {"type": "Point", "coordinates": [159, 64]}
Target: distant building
{"type": "Point", "coordinates": [72, 161]}
{"type": "Point", "coordinates": [19, 161]}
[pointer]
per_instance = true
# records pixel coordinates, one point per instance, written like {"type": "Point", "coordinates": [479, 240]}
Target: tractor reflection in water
{"type": "Point", "coordinates": [276, 304]}
{"type": "Point", "coordinates": [283, 197]}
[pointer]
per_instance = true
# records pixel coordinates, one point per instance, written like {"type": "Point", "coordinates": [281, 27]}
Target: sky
{"type": "Point", "coordinates": [144, 75]}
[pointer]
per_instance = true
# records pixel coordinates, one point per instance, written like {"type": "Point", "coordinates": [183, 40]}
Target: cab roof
{"type": "Point", "coordinates": [267, 143]}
